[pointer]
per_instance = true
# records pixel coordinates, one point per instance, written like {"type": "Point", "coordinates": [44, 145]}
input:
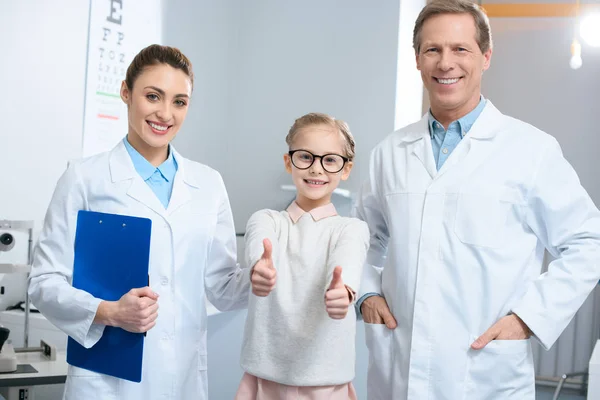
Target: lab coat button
{"type": "Point", "coordinates": [164, 281]}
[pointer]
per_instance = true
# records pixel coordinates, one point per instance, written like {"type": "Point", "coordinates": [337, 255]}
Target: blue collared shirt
{"type": "Point", "coordinates": [160, 179]}
{"type": "Point", "coordinates": [443, 141]}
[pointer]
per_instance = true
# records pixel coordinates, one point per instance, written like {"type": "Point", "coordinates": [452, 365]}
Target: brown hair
{"type": "Point", "coordinates": [158, 54]}
{"type": "Point", "coordinates": [323, 119]}
{"type": "Point", "coordinates": [437, 7]}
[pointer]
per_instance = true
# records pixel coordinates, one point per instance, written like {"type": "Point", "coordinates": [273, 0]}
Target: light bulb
{"type": "Point", "coordinates": [589, 29]}
{"type": "Point", "coordinates": [575, 62]}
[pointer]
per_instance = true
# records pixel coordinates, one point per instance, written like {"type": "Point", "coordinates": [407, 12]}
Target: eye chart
{"type": "Point", "coordinates": [118, 30]}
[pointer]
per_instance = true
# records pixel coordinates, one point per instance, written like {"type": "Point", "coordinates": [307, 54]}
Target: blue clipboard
{"type": "Point", "coordinates": [112, 253]}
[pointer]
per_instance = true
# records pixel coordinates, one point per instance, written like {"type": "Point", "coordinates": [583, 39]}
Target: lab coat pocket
{"type": "Point", "coordinates": [508, 346]}
{"type": "Point", "coordinates": [481, 215]}
{"type": "Point", "coordinates": [84, 384]}
{"type": "Point", "coordinates": [379, 375]}
{"type": "Point", "coordinates": [501, 370]}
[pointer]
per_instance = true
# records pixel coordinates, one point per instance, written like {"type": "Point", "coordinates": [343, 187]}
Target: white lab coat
{"type": "Point", "coordinates": [454, 251]}
{"type": "Point", "coordinates": [192, 253]}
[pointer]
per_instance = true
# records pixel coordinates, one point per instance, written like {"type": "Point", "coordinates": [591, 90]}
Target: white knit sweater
{"type": "Point", "coordinates": [289, 337]}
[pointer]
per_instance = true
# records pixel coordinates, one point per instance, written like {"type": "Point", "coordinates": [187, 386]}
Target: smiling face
{"type": "Point", "coordinates": [451, 65]}
{"type": "Point", "coordinates": [157, 107]}
{"type": "Point", "coordinates": [314, 185]}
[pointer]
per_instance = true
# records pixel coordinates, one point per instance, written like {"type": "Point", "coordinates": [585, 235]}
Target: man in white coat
{"type": "Point", "coordinates": [461, 206]}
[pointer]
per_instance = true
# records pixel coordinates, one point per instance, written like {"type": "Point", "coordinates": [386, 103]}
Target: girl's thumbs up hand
{"type": "Point", "coordinates": [337, 298]}
{"type": "Point", "coordinates": [264, 274]}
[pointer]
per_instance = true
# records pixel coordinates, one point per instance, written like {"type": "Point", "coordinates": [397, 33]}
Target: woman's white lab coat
{"type": "Point", "coordinates": [463, 247]}
{"type": "Point", "coordinates": [192, 254]}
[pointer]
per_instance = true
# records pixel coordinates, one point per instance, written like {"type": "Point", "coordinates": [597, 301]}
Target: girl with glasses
{"type": "Point", "coordinates": [306, 268]}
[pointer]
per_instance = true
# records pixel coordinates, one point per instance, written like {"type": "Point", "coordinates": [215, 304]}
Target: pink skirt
{"type": "Point", "coordinates": [253, 388]}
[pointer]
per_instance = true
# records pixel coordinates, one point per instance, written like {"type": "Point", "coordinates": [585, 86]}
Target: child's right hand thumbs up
{"type": "Point", "coordinates": [337, 297]}
{"type": "Point", "coordinates": [264, 275]}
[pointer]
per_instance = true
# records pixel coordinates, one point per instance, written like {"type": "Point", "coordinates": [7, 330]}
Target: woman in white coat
{"type": "Point", "coordinates": [192, 253]}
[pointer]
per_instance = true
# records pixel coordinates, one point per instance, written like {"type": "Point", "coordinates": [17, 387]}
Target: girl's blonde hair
{"type": "Point", "coordinates": [323, 119]}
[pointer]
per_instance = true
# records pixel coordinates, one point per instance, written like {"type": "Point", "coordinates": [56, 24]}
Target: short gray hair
{"type": "Point", "coordinates": [438, 7]}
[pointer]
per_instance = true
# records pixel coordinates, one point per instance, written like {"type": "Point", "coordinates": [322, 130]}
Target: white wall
{"type": "Point", "coordinates": [206, 31]}
{"type": "Point", "coordinates": [337, 57]}
{"type": "Point", "coordinates": [530, 79]}
{"type": "Point", "coordinates": [42, 75]}
{"type": "Point", "coordinates": [261, 64]}
{"type": "Point", "coordinates": [409, 86]}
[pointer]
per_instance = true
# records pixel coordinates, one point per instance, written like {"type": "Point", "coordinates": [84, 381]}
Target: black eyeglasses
{"type": "Point", "coordinates": [332, 163]}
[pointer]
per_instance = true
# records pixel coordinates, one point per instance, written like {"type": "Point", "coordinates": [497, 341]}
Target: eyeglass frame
{"type": "Point", "coordinates": [314, 156]}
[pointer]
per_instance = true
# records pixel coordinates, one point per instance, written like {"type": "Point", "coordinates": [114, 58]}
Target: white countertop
{"type": "Point", "coordinates": [49, 372]}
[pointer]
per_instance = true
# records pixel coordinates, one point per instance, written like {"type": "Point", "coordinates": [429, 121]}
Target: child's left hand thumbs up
{"type": "Point", "coordinates": [337, 298]}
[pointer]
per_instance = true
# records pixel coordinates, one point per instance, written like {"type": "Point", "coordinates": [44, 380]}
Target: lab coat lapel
{"type": "Point", "coordinates": [122, 168]}
{"type": "Point", "coordinates": [181, 187]}
{"type": "Point", "coordinates": [458, 155]}
{"type": "Point", "coordinates": [477, 145]}
{"type": "Point", "coordinates": [140, 191]}
{"type": "Point", "coordinates": [419, 144]}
